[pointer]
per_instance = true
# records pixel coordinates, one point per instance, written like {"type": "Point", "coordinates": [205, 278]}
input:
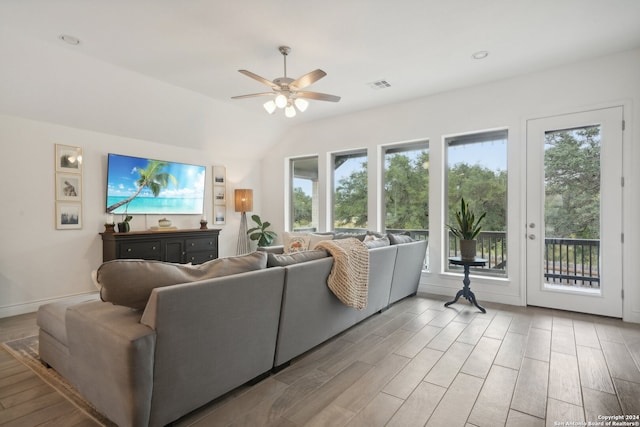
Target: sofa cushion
{"type": "Point", "coordinates": [298, 242]}
{"type": "Point", "coordinates": [129, 282]}
{"type": "Point", "coordinates": [295, 242]}
{"type": "Point", "coordinates": [282, 260]}
{"type": "Point", "coordinates": [314, 239]}
{"type": "Point", "coordinates": [359, 236]}
{"type": "Point", "coordinates": [373, 242]}
{"type": "Point", "coordinates": [51, 316]}
{"type": "Point", "coordinates": [397, 239]}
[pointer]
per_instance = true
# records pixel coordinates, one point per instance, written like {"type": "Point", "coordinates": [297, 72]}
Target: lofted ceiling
{"type": "Point", "coordinates": [420, 47]}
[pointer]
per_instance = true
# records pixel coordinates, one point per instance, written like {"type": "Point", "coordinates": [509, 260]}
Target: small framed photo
{"type": "Point", "coordinates": [68, 216]}
{"type": "Point", "coordinates": [219, 216]}
{"type": "Point", "coordinates": [219, 177]}
{"type": "Point", "coordinates": [68, 159]}
{"type": "Point", "coordinates": [219, 194]}
{"type": "Point", "coordinates": [68, 187]}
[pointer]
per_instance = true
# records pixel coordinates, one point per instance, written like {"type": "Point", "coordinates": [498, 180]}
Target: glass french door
{"type": "Point", "coordinates": [574, 212]}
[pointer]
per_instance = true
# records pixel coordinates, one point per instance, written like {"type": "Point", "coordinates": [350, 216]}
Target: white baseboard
{"type": "Point", "coordinates": [32, 307]}
{"type": "Point", "coordinates": [633, 317]}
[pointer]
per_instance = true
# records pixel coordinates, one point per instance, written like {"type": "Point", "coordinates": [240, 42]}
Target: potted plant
{"type": "Point", "coordinates": [466, 230]}
{"type": "Point", "coordinates": [260, 233]}
{"type": "Point", "coordinates": [123, 227]}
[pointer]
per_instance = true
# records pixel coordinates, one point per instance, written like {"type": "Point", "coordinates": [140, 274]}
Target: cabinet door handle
{"type": "Point", "coordinates": [193, 244]}
{"type": "Point", "coordinates": [153, 248]}
{"type": "Point", "coordinates": [129, 250]}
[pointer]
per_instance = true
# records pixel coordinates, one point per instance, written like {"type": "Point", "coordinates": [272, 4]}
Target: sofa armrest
{"type": "Point", "coordinates": [407, 270]}
{"type": "Point", "coordinates": [113, 357]}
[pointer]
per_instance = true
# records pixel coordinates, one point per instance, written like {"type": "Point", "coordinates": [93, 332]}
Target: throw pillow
{"type": "Point", "coordinates": [372, 242]}
{"type": "Point", "coordinates": [295, 242]}
{"type": "Point", "coordinates": [314, 239]}
{"type": "Point", "coordinates": [397, 239]}
{"type": "Point", "coordinates": [375, 234]}
{"type": "Point", "coordinates": [282, 260]}
{"type": "Point", "coordinates": [129, 282]}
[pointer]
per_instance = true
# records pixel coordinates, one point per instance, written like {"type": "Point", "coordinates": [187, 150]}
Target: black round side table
{"type": "Point", "coordinates": [466, 291]}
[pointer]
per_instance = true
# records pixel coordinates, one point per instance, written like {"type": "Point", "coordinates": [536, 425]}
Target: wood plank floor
{"type": "Point", "coordinates": [416, 364]}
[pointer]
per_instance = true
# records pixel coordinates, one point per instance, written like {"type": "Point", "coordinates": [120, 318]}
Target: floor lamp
{"type": "Point", "coordinates": [244, 202]}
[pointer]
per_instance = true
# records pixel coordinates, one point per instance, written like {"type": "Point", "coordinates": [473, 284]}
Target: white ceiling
{"type": "Point", "coordinates": [420, 47]}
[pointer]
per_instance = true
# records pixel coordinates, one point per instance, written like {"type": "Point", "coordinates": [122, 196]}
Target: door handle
{"type": "Point", "coordinates": [532, 237]}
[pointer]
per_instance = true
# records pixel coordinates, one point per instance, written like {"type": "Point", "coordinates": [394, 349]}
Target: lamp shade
{"type": "Point", "coordinates": [301, 104]}
{"type": "Point", "coordinates": [290, 111]}
{"type": "Point", "coordinates": [243, 200]}
{"type": "Point", "coordinates": [281, 101]}
{"type": "Point", "coordinates": [270, 106]}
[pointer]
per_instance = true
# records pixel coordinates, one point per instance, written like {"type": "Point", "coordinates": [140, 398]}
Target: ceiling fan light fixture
{"type": "Point", "coordinates": [290, 111]}
{"type": "Point", "coordinates": [301, 104]}
{"type": "Point", "coordinates": [287, 92]}
{"type": "Point", "coordinates": [270, 106]}
{"type": "Point", "coordinates": [281, 101]}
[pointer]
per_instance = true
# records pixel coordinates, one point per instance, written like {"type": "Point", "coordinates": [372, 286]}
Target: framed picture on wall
{"type": "Point", "coordinates": [68, 159]}
{"type": "Point", "coordinates": [219, 215]}
{"type": "Point", "coordinates": [219, 177]}
{"type": "Point", "coordinates": [219, 194]}
{"type": "Point", "coordinates": [68, 187]}
{"type": "Point", "coordinates": [68, 215]}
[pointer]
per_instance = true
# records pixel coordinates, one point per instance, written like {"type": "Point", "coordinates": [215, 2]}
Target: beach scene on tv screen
{"type": "Point", "coordinates": [147, 186]}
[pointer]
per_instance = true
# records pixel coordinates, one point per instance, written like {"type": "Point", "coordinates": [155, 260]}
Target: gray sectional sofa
{"type": "Point", "coordinates": [193, 342]}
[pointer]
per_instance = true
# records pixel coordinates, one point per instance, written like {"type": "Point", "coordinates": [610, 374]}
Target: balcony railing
{"type": "Point", "coordinates": [570, 262]}
{"type": "Point", "coordinates": [573, 262]}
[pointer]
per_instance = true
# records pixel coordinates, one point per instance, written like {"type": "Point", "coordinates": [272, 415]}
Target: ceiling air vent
{"type": "Point", "coordinates": [379, 84]}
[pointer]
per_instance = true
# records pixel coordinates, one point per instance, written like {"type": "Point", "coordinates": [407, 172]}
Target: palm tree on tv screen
{"type": "Point", "coordinates": [151, 177]}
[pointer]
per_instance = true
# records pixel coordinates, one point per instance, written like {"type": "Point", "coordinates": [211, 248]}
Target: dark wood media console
{"type": "Point", "coordinates": [181, 246]}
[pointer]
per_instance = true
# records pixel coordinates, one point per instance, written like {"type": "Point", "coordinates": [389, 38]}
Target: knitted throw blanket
{"type": "Point", "coordinates": [349, 277]}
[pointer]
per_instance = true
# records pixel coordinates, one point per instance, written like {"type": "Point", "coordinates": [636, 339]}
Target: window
{"type": "Point", "coordinates": [406, 189]}
{"type": "Point", "coordinates": [477, 172]}
{"type": "Point", "coordinates": [304, 194]}
{"type": "Point", "coordinates": [350, 188]}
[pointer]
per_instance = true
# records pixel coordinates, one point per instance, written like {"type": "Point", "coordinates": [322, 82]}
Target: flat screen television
{"type": "Point", "coordinates": [147, 186]}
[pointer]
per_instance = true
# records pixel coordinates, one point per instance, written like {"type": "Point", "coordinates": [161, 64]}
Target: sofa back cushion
{"type": "Point", "coordinates": [299, 242]}
{"type": "Point", "coordinates": [282, 260]}
{"type": "Point", "coordinates": [129, 282]}
{"type": "Point", "coordinates": [397, 239]}
{"type": "Point", "coordinates": [373, 242]}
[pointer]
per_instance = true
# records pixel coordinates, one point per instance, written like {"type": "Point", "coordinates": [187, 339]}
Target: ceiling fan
{"type": "Point", "coordinates": [288, 92]}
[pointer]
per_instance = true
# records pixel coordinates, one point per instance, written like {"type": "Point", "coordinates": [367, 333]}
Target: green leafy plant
{"type": "Point", "coordinates": [260, 233]}
{"type": "Point", "coordinates": [124, 226]}
{"type": "Point", "coordinates": [467, 227]}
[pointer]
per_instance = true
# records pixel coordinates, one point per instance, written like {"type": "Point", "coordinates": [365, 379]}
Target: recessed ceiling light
{"type": "Point", "coordinates": [481, 54]}
{"type": "Point", "coordinates": [69, 39]}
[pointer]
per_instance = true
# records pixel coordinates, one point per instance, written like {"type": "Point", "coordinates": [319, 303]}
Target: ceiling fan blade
{"type": "Point", "coordinates": [260, 79]}
{"type": "Point", "coordinates": [307, 79]}
{"type": "Point", "coordinates": [253, 94]}
{"type": "Point", "coordinates": [318, 96]}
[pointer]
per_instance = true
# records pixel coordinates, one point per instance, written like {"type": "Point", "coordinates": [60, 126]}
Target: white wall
{"type": "Point", "coordinates": [39, 263]}
{"type": "Point", "coordinates": [47, 81]}
{"type": "Point", "coordinates": [611, 80]}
